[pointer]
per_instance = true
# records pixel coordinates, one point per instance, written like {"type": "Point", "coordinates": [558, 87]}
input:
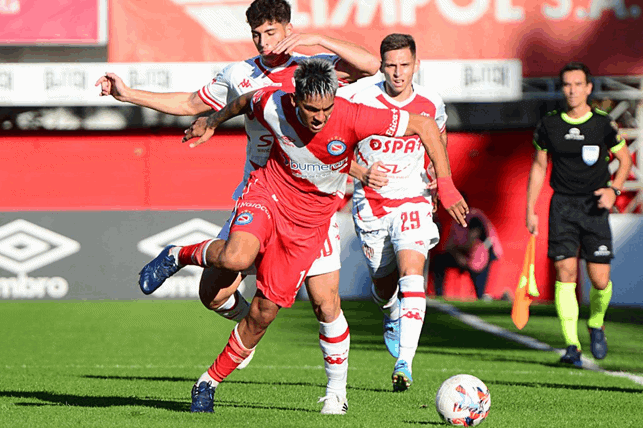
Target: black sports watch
{"type": "Point", "coordinates": [618, 192]}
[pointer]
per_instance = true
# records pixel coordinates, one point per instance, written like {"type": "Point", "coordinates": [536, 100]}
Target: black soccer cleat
{"type": "Point", "coordinates": [572, 356]}
{"type": "Point", "coordinates": [202, 398]}
{"type": "Point", "coordinates": [154, 274]}
{"type": "Point", "coordinates": [598, 342]}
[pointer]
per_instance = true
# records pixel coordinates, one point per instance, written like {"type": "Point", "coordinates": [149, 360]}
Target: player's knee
{"type": "Point", "coordinates": [235, 260]}
{"type": "Point", "coordinates": [566, 274]}
{"type": "Point", "coordinates": [328, 309]}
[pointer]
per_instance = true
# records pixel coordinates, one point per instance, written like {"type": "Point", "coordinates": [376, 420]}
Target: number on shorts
{"type": "Point", "coordinates": [302, 276]}
{"type": "Point", "coordinates": [410, 220]}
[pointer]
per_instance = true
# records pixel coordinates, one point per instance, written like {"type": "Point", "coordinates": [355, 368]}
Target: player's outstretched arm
{"type": "Point", "coordinates": [176, 103]}
{"type": "Point", "coordinates": [535, 183]}
{"type": "Point", "coordinates": [356, 62]}
{"type": "Point", "coordinates": [429, 133]}
{"type": "Point", "coordinates": [203, 128]}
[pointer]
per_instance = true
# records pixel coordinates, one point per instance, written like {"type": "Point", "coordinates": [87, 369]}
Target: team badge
{"type": "Point", "coordinates": [243, 218]}
{"type": "Point", "coordinates": [590, 154]}
{"type": "Point", "coordinates": [336, 147]}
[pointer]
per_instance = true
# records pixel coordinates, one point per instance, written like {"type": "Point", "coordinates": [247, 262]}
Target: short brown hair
{"type": "Point", "coordinates": [396, 41]}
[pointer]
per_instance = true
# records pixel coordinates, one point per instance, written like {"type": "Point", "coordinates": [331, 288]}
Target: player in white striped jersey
{"type": "Point", "coordinates": [394, 222]}
{"type": "Point", "coordinates": [274, 38]}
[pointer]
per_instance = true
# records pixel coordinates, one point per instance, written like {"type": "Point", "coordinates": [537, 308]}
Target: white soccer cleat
{"type": "Point", "coordinates": [334, 405]}
{"type": "Point", "coordinates": [245, 362]}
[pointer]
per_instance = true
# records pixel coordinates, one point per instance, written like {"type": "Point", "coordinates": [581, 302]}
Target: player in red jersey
{"type": "Point", "coordinates": [275, 40]}
{"type": "Point", "coordinates": [286, 207]}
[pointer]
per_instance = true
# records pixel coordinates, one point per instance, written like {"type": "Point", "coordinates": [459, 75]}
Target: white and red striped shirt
{"type": "Point", "coordinates": [403, 158]}
{"type": "Point", "coordinates": [241, 77]}
{"type": "Point", "coordinates": [307, 172]}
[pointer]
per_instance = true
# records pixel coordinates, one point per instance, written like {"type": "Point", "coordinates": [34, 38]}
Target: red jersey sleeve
{"type": "Point", "coordinates": [375, 121]}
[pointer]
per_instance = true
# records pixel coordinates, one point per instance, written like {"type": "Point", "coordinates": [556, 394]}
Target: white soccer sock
{"type": "Point", "coordinates": [334, 340]}
{"type": "Point", "coordinates": [205, 377]}
{"type": "Point", "coordinates": [413, 307]}
{"type": "Point", "coordinates": [391, 307]}
{"type": "Point", "coordinates": [235, 308]}
{"type": "Point", "coordinates": [174, 251]}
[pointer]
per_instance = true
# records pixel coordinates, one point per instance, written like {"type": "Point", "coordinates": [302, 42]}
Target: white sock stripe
{"type": "Point", "coordinates": [235, 331]}
{"type": "Point", "coordinates": [205, 252]}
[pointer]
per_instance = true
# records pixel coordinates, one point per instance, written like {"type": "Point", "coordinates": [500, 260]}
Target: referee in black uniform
{"type": "Point", "coordinates": [580, 140]}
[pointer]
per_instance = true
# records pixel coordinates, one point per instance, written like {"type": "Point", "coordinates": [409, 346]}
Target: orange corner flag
{"type": "Point", "coordinates": [527, 288]}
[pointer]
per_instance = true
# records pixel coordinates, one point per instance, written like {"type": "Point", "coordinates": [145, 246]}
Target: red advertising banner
{"type": "Point", "coordinates": [37, 22]}
{"type": "Point", "coordinates": [544, 35]}
{"type": "Point", "coordinates": [127, 171]}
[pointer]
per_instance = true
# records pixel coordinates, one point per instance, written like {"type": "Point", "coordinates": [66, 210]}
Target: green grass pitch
{"type": "Point", "coordinates": [133, 363]}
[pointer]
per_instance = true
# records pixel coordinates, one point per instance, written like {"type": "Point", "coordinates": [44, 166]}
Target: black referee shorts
{"type": "Point", "coordinates": [576, 222]}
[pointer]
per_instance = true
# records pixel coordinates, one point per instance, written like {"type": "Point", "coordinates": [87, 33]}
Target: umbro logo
{"type": "Point", "coordinates": [602, 251]}
{"type": "Point", "coordinates": [26, 247]}
{"type": "Point", "coordinates": [574, 134]}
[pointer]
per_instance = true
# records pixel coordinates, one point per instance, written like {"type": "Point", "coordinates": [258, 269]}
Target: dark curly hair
{"type": "Point", "coordinates": [262, 11]}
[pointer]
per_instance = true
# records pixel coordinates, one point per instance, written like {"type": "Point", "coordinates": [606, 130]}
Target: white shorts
{"type": "Point", "coordinates": [407, 227]}
{"type": "Point", "coordinates": [328, 260]}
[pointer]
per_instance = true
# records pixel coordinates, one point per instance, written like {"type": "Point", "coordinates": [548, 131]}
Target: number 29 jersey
{"type": "Point", "coordinates": [404, 159]}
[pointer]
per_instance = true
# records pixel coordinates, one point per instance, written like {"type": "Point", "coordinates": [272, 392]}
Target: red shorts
{"type": "Point", "coordinates": [287, 250]}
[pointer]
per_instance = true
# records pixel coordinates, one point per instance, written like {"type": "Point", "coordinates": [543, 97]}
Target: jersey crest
{"type": "Point", "coordinates": [590, 154]}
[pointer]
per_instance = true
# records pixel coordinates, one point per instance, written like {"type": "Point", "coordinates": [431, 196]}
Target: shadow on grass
{"type": "Point", "coordinates": [151, 378]}
{"type": "Point", "coordinates": [53, 399]}
{"type": "Point", "coordinates": [563, 386]}
{"type": "Point", "coordinates": [87, 401]}
{"type": "Point", "coordinates": [239, 382]}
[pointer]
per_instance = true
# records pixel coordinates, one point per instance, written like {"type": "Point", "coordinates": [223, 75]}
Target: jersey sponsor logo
{"type": "Point", "coordinates": [184, 283]}
{"type": "Point", "coordinates": [394, 121]}
{"type": "Point", "coordinates": [245, 83]}
{"type": "Point", "coordinates": [255, 206]}
{"type": "Point", "coordinates": [25, 247]}
{"type": "Point", "coordinates": [590, 154]}
{"type": "Point", "coordinates": [243, 218]}
{"type": "Point", "coordinates": [336, 147]}
{"type": "Point", "coordinates": [266, 141]}
{"type": "Point", "coordinates": [313, 170]}
{"type": "Point", "coordinates": [602, 251]}
{"type": "Point", "coordinates": [406, 145]}
{"type": "Point", "coordinates": [574, 134]}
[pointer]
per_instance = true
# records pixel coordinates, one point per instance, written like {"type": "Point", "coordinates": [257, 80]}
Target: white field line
{"type": "Point", "coordinates": [478, 323]}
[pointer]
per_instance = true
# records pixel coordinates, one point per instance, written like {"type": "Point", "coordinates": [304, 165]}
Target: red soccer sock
{"type": "Point", "coordinates": [228, 360]}
{"type": "Point", "coordinates": [194, 254]}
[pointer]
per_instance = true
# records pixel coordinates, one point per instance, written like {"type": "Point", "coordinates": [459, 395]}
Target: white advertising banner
{"type": "Point", "coordinates": [474, 80]}
{"type": "Point", "coordinates": [73, 84]}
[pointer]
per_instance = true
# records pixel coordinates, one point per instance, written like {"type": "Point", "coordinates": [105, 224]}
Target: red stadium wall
{"type": "Point", "coordinates": [130, 171]}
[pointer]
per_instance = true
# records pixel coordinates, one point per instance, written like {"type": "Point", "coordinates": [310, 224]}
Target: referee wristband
{"type": "Point", "coordinates": [449, 195]}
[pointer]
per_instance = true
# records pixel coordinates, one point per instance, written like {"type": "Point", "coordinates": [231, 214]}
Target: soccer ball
{"type": "Point", "coordinates": [463, 400]}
